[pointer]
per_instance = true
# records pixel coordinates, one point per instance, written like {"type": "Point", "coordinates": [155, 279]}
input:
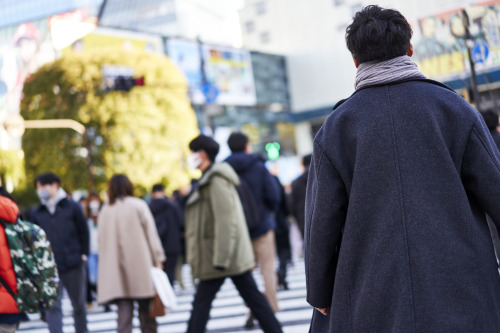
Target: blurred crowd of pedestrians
{"type": "Point", "coordinates": [397, 205]}
{"type": "Point", "coordinates": [104, 248]}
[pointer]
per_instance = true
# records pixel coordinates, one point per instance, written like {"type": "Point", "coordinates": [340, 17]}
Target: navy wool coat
{"type": "Point", "coordinates": [396, 237]}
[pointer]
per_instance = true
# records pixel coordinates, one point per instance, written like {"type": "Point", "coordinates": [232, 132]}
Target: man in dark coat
{"type": "Point", "coordinates": [169, 223]}
{"type": "Point", "coordinates": [402, 175]}
{"type": "Point", "coordinates": [63, 221]}
{"type": "Point", "coordinates": [298, 194]}
{"type": "Point", "coordinates": [252, 170]}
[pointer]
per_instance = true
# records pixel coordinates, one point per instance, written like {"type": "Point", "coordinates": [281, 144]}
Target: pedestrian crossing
{"type": "Point", "coordinates": [228, 312]}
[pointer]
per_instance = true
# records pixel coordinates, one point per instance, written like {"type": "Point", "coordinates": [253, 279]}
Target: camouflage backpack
{"type": "Point", "coordinates": [34, 266]}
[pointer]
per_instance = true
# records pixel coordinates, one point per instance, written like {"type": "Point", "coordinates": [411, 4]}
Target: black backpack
{"type": "Point", "coordinates": [249, 205]}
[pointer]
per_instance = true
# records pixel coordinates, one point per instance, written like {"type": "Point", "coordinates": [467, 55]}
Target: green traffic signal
{"type": "Point", "coordinates": [273, 150]}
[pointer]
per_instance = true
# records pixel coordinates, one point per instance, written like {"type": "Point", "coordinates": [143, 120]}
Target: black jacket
{"type": "Point", "coordinates": [298, 199]}
{"type": "Point", "coordinates": [263, 185]}
{"type": "Point", "coordinates": [168, 220]}
{"type": "Point", "coordinates": [282, 231]}
{"type": "Point", "coordinates": [67, 232]}
{"type": "Point", "coordinates": [400, 180]}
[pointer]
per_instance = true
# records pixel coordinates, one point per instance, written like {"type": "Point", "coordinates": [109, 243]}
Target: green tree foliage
{"type": "Point", "coordinates": [11, 167]}
{"type": "Point", "coordinates": [143, 133]}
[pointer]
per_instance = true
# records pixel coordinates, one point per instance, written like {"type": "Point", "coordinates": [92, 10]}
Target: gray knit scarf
{"type": "Point", "coordinates": [381, 72]}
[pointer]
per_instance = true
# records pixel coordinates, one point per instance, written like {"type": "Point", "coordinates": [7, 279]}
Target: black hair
{"type": "Point", "coordinates": [119, 187]}
{"type": "Point", "coordinates": [158, 188]}
{"type": "Point", "coordinates": [378, 34]}
{"type": "Point", "coordinates": [306, 160]}
{"type": "Point", "coordinates": [237, 142]}
{"type": "Point", "coordinates": [48, 178]}
{"type": "Point", "coordinates": [491, 119]}
{"type": "Point", "coordinates": [207, 144]}
{"type": "Point", "coordinates": [4, 193]}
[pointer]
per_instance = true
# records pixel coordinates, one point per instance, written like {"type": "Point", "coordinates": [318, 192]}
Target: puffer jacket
{"type": "Point", "coordinates": [218, 243]}
{"type": "Point", "coordinates": [8, 213]}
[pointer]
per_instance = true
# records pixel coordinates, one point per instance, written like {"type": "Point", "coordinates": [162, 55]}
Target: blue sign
{"type": "Point", "coordinates": [480, 52]}
{"type": "Point", "coordinates": [210, 91]}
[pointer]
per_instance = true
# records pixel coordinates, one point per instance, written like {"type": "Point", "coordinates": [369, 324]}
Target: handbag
{"type": "Point", "coordinates": [156, 308]}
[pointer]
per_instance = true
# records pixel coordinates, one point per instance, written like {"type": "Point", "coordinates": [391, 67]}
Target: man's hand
{"type": "Point", "coordinates": [84, 258]}
{"type": "Point", "coordinates": [324, 311]}
{"type": "Point", "coordinates": [159, 265]}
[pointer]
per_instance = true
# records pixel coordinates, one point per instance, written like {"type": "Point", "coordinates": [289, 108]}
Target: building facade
{"type": "Point", "coordinates": [311, 34]}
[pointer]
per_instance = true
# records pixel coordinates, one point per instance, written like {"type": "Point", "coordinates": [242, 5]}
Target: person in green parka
{"type": "Point", "coordinates": [217, 240]}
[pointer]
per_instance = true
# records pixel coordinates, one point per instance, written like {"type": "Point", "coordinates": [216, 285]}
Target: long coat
{"type": "Point", "coordinates": [401, 177]}
{"type": "Point", "coordinates": [218, 243]}
{"type": "Point", "coordinates": [128, 247]}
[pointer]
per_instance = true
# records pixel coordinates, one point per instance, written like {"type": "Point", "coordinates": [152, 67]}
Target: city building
{"type": "Point", "coordinates": [230, 88]}
{"type": "Point", "coordinates": [320, 68]}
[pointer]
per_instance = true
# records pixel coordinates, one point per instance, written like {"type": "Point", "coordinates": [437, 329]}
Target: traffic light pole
{"type": "Point", "coordinates": [473, 77]}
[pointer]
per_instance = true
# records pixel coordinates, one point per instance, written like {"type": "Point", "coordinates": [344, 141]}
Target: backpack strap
{"type": "Point", "coordinates": [6, 286]}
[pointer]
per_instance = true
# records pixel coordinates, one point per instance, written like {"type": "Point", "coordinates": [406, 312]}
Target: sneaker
{"type": "Point", "coordinates": [250, 321]}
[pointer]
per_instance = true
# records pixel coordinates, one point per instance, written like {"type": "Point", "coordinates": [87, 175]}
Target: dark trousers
{"type": "Point", "coordinates": [205, 294]}
{"type": "Point", "coordinates": [75, 283]}
{"type": "Point", "coordinates": [171, 266]}
{"type": "Point", "coordinates": [284, 256]}
{"type": "Point", "coordinates": [126, 313]}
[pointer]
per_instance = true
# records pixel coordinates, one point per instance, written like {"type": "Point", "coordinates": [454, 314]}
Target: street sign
{"type": "Point", "coordinates": [211, 92]}
{"type": "Point", "coordinates": [480, 52]}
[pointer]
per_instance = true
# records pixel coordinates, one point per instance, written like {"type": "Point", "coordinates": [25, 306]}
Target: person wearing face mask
{"type": "Point", "coordinates": [217, 238]}
{"type": "Point", "coordinates": [63, 221]}
{"type": "Point", "coordinates": [92, 208]}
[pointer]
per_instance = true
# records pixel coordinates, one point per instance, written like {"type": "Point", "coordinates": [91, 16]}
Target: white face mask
{"type": "Point", "coordinates": [194, 160]}
{"type": "Point", "coordinates": [94, 207]}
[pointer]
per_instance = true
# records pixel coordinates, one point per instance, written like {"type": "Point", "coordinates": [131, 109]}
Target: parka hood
{"type": "Point", "coordinates": [8, 210]}
{"type": "Point", "coordinates": [241, 161]}
{"type": "Point", "coordinates": [221, 169]}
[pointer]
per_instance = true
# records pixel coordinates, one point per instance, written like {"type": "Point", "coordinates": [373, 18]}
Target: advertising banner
{"type": "Point", "coordinates": [216, 74]}
{"type": "Point", "coordinates": [439, 42]}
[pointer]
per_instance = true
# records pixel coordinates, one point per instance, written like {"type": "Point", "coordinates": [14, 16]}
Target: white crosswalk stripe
{"type": "Point", "coordinates": [228, 312]}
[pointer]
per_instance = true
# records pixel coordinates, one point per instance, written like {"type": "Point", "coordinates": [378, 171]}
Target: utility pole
{"type": "Point", "coordinates": [469, 42]}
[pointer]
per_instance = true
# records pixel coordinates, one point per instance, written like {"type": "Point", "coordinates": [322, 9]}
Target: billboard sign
{"type": "Point", "coordinates": [439, 45]}
{"type": "Point", "coordinates": [226, 71]}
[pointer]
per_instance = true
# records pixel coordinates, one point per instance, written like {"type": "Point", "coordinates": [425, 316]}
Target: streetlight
{"type": "Point", "coordinates": [15, 126]}
{"type": "Point", "coordinates": [469, 43]}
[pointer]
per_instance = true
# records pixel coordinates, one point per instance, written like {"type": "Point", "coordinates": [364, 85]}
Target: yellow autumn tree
{"type": "Point", "coordinates": [143, 133]}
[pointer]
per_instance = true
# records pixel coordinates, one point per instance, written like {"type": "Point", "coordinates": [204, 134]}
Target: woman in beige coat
{"type": "Point", "coordinates": [128, 247]}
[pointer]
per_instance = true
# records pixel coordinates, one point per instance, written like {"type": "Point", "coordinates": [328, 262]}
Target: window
{"type": "Point", "coordinates": [260, 8]}
{"type": "Point", "coordinates": [249, 26]}
{"type": "Point", "coordinates": [264, 37]}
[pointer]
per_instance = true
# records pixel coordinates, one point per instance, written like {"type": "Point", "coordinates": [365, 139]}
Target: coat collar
{"type": "Point", "coordinates": [339, 103]}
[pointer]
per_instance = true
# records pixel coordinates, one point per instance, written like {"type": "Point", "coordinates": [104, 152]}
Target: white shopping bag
{"type": "Point", "coordinates": [163, 288]}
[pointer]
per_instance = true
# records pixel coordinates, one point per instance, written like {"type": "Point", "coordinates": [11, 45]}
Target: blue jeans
{"type": "Point", "coordinates": [92, 262]}
{"type": "Point", "coordinates": [75, 283]}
